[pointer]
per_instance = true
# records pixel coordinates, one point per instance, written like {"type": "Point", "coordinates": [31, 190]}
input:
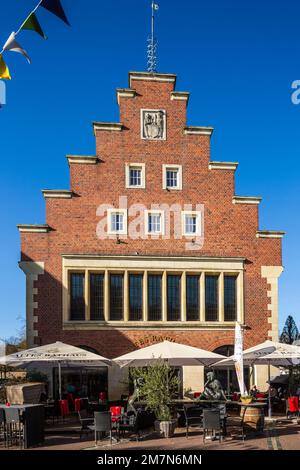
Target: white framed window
{"type": "Point", "coordinates": [117, 221]}
{"type": "Point", "coordinates": [135, 175]}
{"type": "Point", "coordinates": [172, 177]}
{"type": "Point", "coordinates": [154, 222]}
{"type": "Point", "coordinates": [191, 223]}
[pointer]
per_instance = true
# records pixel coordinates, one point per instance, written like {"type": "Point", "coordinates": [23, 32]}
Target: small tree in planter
{"type": "Point", "coordinates": [158, 385]}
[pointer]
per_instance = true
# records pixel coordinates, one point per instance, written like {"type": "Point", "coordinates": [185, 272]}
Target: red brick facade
{"type": "Point", "coordinates": [231, 229]}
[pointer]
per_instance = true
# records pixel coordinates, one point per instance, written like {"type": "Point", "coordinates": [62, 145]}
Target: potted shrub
{"type": "Point", "coordinates": [158, 384]}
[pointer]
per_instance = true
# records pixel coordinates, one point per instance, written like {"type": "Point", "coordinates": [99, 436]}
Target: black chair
{"type": "Point", "coordinates": [193, 417]}
{"type": "Point", "coordinates": [14, 427]}
{"type": "Point", "coordinates": [223, 417]}
{"type": "Point", "coordinates": [212, 422]}
{"type": "Point", "coordinates": [102, 424]}
{"type": "Point", "coordinates": [85, 421]}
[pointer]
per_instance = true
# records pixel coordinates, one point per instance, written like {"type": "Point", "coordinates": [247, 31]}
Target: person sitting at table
{"type": "Point", "coordinates": [254, 391]}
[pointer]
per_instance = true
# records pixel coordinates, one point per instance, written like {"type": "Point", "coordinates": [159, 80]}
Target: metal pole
{"type": "Point", "coordinates": [152, 29]}
{"type": "Point", "coordinates": [269, 397]}
{"type": "Point", "coordinates": [59, 380]}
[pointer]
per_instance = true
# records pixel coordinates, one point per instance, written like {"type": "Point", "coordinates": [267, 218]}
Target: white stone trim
{"type": "Point", "coordinates": [164, 174]}
{"type": "Point", "coordinates": [24, 228]}
{"type": "Point", "coordinates": [125, 93]}
{"type": "Point", "coordinates": [109, 228]}
{"type": "Point", "coordinates": [57, 194]}
{"type": "Point", "coordinates": [227, 166]}
{"type": "Point", "coordinates": [272, 274]}
{"type": "Point", "coordinates": [151, 77]}
{"type": "Point", "coordinates": [162, 222]}
{"type": "Point", "coordinates": [180, 96]}
{"type": "Point", "coordinates": [198, 214]}
{"type": "Point", "coordinates": [246, 200]}
{"type": "Point", "coordinates": [32, 270]}
{"type": "Point", "coordinates": [81, 261]}
{"type": "Point", "coordinates": [128, 167]}
{"type": "Point", "coordinates": [198, 130]}
{"type": "Point", "coordinates": [107, 126]}
{"type": "Point", "coordinates": [269, 234]}
{"type": "Point", "coordinates": [82, 159]}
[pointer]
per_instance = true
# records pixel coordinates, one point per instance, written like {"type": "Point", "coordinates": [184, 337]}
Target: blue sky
{"type": "Point", "coordinates": [238, 59]}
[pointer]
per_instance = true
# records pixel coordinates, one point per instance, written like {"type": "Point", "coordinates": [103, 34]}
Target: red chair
{"type": "Point", "coordinates": [115, 412]}
{"type": "Point", "coordinates": [197, 394]}
{"type": "Point", "coordinates": [292, 407]}
{"type": "Point", "coordinates": [77, 404]}
{"type": "Point", "coordinates": [70, 398]}
{"type": "Point", "coordinates": [64, 408]}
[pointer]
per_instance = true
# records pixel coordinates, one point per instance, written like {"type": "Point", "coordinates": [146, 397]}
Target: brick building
{"type": "Point", "coordinates": [151, 241]}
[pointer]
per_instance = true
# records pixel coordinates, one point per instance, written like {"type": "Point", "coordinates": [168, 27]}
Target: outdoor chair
{"type": "Point", "coordinates": [212, 422]}
{"type": "Point", "coordinates": [85, 421]}
{"type": "Point", "coordinates": [102, 424]}
{"type": "Point", "coordinates": [292, 407]}
{"type": "Point", "coordinates": [134, 423]}
{"type": "Point", "coordinates": [14, 427]}
{"type": "Point", "coordinates": [193, 417]}
{"type": "Point", "coordinates": [223, 417]}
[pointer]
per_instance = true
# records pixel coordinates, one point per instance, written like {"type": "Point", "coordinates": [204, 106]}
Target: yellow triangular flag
{"type": "Point", "coordinates": [4, 72]}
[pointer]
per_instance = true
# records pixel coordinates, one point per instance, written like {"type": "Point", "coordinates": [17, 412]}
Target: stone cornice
{"type": "Point", "coordinates": [33, 268]}
{"type": "Point", "coordinates": [220, 259]}
{"type": "Point", "coordinates": [153, 77]}
{"type": "Point", "coordinates": [198, 130]}
{"type": "Point", "coordinates": [107, 126]}
{"type": "Point", "coordinates": [57, 193]}
{"type": "Point", "coordinates": [27, 228]}
{"type": "Point", "coordinates": [246, 200]}
{"type": "Point", "coordinates": [223, 166]}
{"type": "Point", "coordinates": [125, 93]}
{"type": "Point", "coordinates": [180, 96]}
{"type": "Point", "coordinates": [269, 234]}
{"type": "Point", "coordinates": [82, 159]}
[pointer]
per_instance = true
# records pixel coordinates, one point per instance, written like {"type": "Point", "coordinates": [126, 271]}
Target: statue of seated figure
{"type": "Point", "coordinates": [212, 388]}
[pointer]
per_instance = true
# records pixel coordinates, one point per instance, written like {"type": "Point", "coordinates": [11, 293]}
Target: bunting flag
{"type": "Point", "coordinates": [33, 24]}
{"type": "Point", "coordinates": [4, 72]}
{"type": "Point", "coordinates": [13, 46]}
{"type": "Point", "coordinates": [55, 7]}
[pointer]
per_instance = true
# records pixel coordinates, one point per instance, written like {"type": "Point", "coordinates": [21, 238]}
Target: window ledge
{"type": "Point", "coordinates": [130, 325]}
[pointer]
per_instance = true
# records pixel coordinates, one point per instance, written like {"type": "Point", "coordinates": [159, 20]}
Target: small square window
{"type": "Point", "coordinates": [191, 223]}
{"type": "Point", "coordinates": [135, 175]}
{"type": "Point", "coordinates": [172, 177]}
{"type": "Point", "coordinates": [135, 178]}
{"type": "Point", "coordinates": [154, 222]}
{"type": "Point", "coordinates": [117, 221]}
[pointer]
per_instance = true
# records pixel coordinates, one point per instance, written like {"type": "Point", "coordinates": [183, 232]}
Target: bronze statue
{"type": "Point", "coordinates": [212, 388]}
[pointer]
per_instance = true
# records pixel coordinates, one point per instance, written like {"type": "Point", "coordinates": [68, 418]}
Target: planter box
{"type": "Point", "coordinates": [165, 428]}
{"type": "Point", "coordinates": [29, 393]}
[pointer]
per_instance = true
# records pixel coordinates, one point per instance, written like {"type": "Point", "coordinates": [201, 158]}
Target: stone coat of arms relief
{"type": "Point", "coordinates": [153, 124]}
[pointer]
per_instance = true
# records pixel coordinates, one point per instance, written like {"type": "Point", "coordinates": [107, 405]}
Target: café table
{"type": "Point", "coordinates": [33, 417]}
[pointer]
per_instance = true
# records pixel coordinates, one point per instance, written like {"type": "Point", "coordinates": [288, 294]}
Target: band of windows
{"type": "Point", "coordinates": [157, 297]}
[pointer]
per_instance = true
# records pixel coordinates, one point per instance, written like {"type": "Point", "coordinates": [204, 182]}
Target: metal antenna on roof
{"type": "Point", "coordinates": [152, 42]}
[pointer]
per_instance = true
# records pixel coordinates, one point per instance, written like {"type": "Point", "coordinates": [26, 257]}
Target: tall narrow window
{"type": "Point", "coordinates": [116, 297]}
{"type": "Point", "coordinates": [135, 297]}
{"type": "Point", "coordinates": [135, 177]}
{"type": "Point", "coordinates": [154, 297]}
{"type": "Point", "coordinates": [154, 223]}
{"type": "Point", "coordinates": [174, 297]}
{"type": "Point", "coordinates": [211, 298]}
{"type": "Point", "coordinates": [192, 298]}
{"type": "Point", "coordinates": [77, 302]}
{"type": "Point", "coordinates": [230, 303]}
{"type": "Point", "coordinates": [97, 297]}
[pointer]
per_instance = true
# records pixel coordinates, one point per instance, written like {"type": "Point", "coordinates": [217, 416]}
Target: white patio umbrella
{"type": "Point", "coordinates": [56, 353]}
{"type": "Point", "coordinates": [270, 353]}
{"type": "Point", "coordinates": [174, 353]}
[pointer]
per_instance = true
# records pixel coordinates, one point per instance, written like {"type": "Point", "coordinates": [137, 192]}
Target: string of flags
{"type": "Point", "coordinates": [31, 23]}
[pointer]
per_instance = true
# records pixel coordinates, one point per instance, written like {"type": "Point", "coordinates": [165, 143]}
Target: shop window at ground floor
{"type": "Point", "coordinates": [81, 382]}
